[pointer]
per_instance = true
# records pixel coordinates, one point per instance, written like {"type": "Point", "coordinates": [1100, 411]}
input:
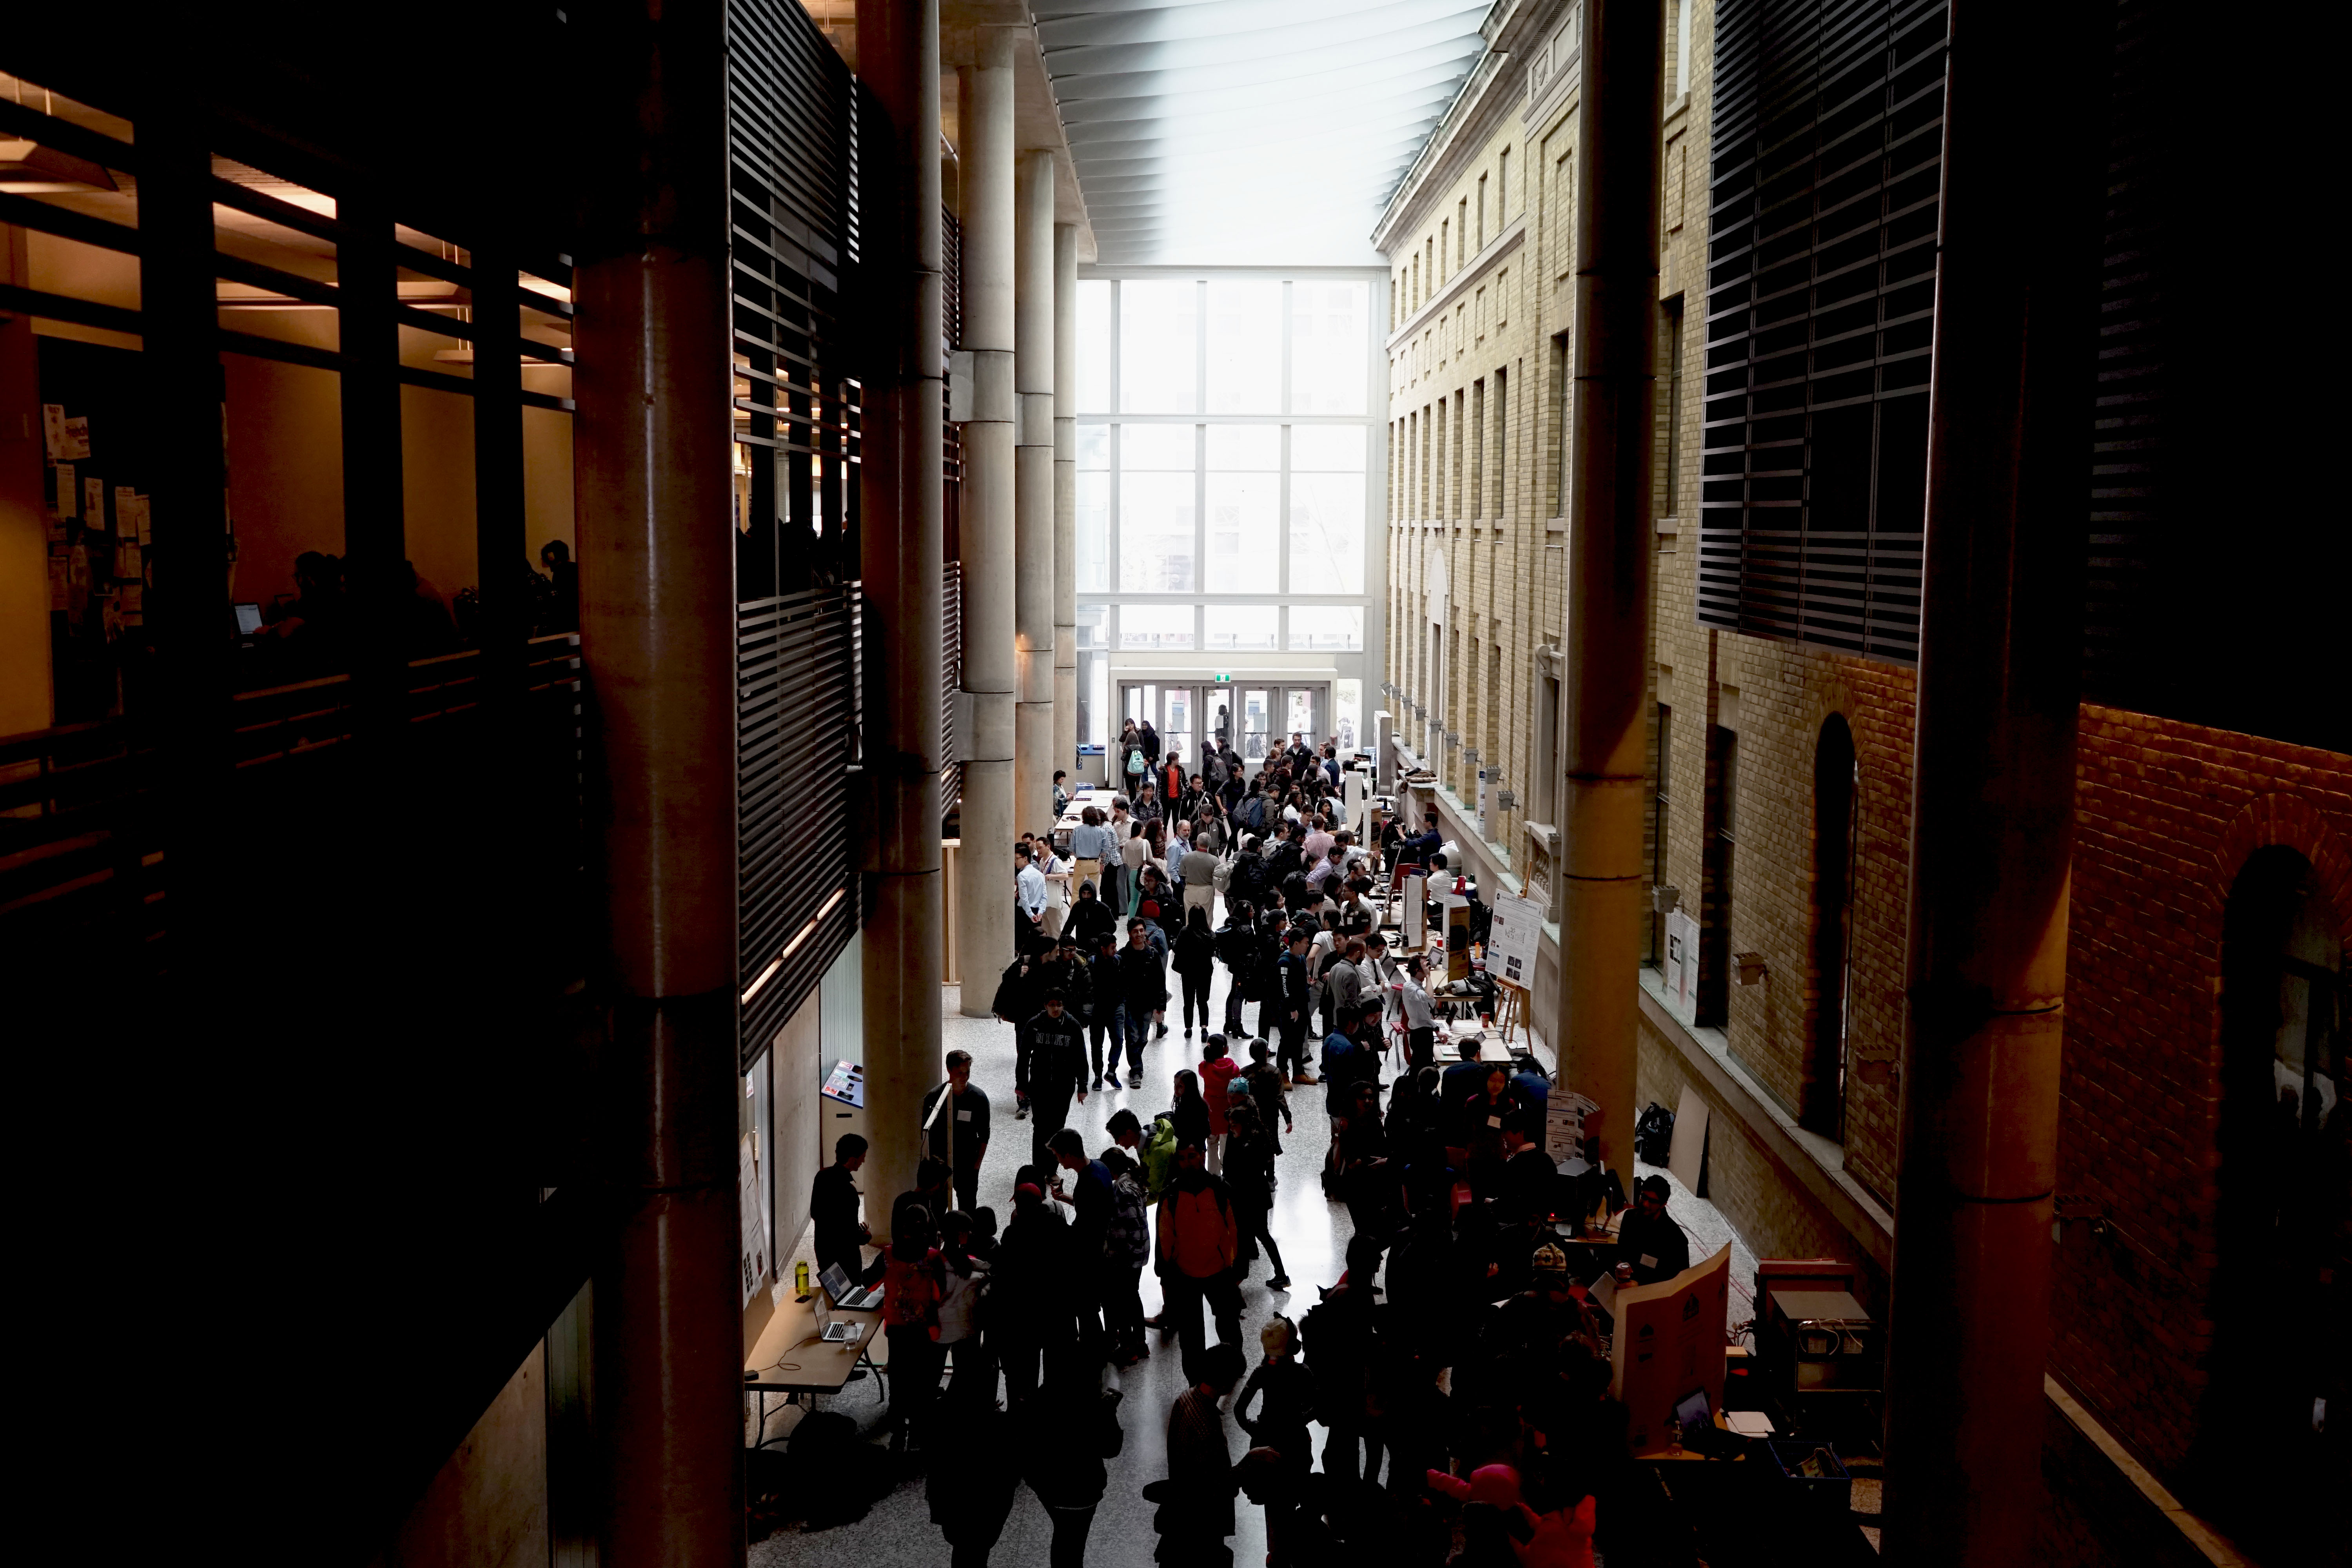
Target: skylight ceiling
{"type": "Point", "coordinates": [1250, 132]}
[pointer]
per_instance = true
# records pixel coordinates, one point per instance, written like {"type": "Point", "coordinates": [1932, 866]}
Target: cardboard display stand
{"type": "Point", "coordinates": [1668, 1344]}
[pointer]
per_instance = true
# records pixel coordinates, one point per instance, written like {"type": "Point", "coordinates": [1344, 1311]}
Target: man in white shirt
{"type": "Point", "coordinates": [1056, 872]}
{"type": "Point", "coordinates": [1419, 1017]}
{"type": "Point", "coordinates": [1028, 899]}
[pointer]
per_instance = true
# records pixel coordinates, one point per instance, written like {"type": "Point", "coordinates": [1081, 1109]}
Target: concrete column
{"type": "Point", "coordinates": [653, 460]}
{"type": "Point", "coordinates": [1033, 525]}
{"type": "Point", "coordinates": [984, 891]}
{"type": "Point", "coordinates": [905, 924]}
{"type": "Point", "coordinates": [1607, 637]}
{"type": "Point", "coordinates": [1066, 499]}
{"type": "Point", "coordinates": [1993, 782]}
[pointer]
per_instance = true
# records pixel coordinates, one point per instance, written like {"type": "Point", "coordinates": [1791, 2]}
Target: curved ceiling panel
{"type": "Point", "coordinates": [1241, 131]}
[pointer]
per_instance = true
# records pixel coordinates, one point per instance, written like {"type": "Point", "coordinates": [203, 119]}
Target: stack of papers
{"type": "Point", "coordinates": [1749, 1423]}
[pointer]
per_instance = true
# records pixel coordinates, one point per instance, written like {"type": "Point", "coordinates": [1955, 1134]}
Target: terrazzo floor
{"type": "Point", "coordinates": [1313, 1235]}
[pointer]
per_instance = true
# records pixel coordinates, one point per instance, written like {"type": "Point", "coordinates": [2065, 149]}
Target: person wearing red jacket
{"type": "Point", "coordinates": [1199, 1240]}
{"type": "Point", "coordinates": [1218, 1071]}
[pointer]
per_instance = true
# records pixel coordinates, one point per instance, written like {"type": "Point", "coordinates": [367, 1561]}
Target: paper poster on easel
{"type": "Point", "coordinates": [1669, 1344]}
{"type": "Point", "coordinates": [1416, 913]}
{"type": "Point", "coordinates": [1512, 935]}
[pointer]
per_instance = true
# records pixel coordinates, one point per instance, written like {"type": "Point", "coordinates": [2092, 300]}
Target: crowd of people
{"type": "Point", "coordinates": [1456, 1366]}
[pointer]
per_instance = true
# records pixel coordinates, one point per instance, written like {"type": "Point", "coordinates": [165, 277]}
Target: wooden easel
{"type": "Point", "coordinates": [1513, 1011]}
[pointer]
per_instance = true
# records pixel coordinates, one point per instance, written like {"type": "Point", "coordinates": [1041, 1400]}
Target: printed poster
{"type": "Point", "coordinates": [68, 494]}
{"type": "Point", "coordinates": [1512, 935]}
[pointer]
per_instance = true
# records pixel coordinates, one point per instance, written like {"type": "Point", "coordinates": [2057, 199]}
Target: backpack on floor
{"type": "Point", "coordinates": [1653, 1135]}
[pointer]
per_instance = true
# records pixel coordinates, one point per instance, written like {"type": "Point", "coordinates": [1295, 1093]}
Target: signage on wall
{"type": "Point", "coordinates": [1223, 678]}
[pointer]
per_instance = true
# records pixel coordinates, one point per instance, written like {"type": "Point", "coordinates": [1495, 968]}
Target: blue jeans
{"type": "Point", "coordinates": [1137, 1023]}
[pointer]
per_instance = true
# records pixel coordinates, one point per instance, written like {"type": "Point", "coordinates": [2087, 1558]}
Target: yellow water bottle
{"type": "Point", "coordinates": [800, 1277]}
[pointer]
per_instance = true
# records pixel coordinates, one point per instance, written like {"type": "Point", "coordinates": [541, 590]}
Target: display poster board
{"type": "Point", "coordinates": [1512, 935]}
{"type": "Point", "coordinates": [1457, 938]}
{"type": "Point", "coordinates": [1668, 1344]}
{"type": "Point", "coordinates": [755, 1229]}
{"type": "Point", "coordinates": [1416, 913]}
{"type": "Point", "coordinates": [1564, 1114]}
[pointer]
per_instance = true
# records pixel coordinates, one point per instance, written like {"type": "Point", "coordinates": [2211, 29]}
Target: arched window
{"type": "Point", "coordinates": [2280, 1291]}
{"type": "Point", "coordinates": [1836, 817]}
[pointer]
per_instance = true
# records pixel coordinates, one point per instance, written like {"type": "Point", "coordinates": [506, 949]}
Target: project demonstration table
{"type": "Point", "coordinates": [790, 1358]}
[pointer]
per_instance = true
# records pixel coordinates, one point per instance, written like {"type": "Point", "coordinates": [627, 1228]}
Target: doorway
{"type": "Point", "coordinates": [1258, 719]}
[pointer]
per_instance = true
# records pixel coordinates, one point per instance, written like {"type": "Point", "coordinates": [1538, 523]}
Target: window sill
{"type": "Point", "coordinates": [1817, 1163]}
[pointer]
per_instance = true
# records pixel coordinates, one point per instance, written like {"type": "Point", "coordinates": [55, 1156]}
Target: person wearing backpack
{"type": "Point", "coordinates": [1126, 1248]}
{"type": "Point", "coordinates": [1199, 1240]}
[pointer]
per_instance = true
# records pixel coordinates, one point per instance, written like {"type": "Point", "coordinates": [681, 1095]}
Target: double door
{"type": "Point", "coordinates": [1258, 721]}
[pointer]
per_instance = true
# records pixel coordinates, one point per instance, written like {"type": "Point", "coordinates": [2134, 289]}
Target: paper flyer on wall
{"type": "Point", "coordinates": [93, 502]}
{"type": "Point", "coordinates": [754, 1227]}
{"type": "Point", "coordinates": [69, 495]}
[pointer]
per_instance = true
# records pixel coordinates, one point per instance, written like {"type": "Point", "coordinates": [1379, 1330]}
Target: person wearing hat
{"type": "Point", "coordinates": [1649, 1239]}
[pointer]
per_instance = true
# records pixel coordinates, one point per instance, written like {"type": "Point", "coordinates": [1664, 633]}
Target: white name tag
{"type": "Point", "coordinates": [963, 1116]}
{"type": "Point", "coordinates": [1494, 1122]}
{"type": "Point", "coordinates": [1649, 1261]}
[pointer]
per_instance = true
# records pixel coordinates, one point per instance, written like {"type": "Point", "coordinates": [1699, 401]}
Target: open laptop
{"type": "Point", "coordinates": [845, 1295]}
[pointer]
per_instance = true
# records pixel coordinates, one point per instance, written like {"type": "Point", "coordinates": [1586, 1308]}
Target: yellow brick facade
{"type": "Point", "coordinates": [1480, 244]}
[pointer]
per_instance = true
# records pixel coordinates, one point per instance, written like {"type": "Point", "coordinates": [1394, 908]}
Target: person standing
{"type": "Point", "coordinates": [841, 1234]}
{"type": "Point", "coordinates": [911, 1288]}
{"type": "Point", "coordinates": [1196, 955]}
{"type": "Point", "coordinates": [1106, 1009]}
{"type": "Point", "coordinates": [1199, 870]}
{"type": "Point", "coordinates": [1237, 949]}
{"type": "Point", "coordinates": [1249, 1178]}
{"type": "Point", "coordinates": [971, 1496]}
{"type": "Point", "coordinates": [1292, 1004]}
{"type": "Point", "coordinates": [1143, 993]}
{"type": "Point", "coordinates": [1091, 844]}
{"type": "Point", "coordinates": [1084, 1186]}
{"type": "Point", "coordinates": [1056, 1052]}
{"type": "Point", "coordinates": [1266, 1091]}
{"type": "Point", "coordinates": [1066, 1433]}
{"type": "Point", "coordinates": [1199, 1240]}
{"type": "Point", "coordinates": [1287, 1389]}
{"type": "Point", "coordinates": [1028, 1316]}
{"type": "Point", "coordinates": [1028, 900]}
{"type": "Point", "coordinates": [1196, 1500]}
{"type": "Point", "coordinates": [1126, 1248]}
{"type": "Point", "coordinates": [1218, 1071]}
{"type": "Point", "coordinates": [1420, 1016]}
{"type": "Point", "coordinates": [958, 1135]}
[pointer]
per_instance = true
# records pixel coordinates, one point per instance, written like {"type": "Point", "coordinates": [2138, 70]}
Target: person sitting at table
{"type": "Point", "coordinates": [1650, 1241]}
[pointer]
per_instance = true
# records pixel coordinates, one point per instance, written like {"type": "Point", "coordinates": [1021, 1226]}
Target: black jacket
{"type": "Point", "coordinates": [1090, 917]}
{"type": "Point", "coordinates": [833, 1205]}
{"type": "Point", "coordinates": [1057, 1053]}
{"type": "Point", "coordinates": [1142, 978]}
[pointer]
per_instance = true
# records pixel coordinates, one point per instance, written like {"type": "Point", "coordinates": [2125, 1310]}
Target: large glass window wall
{"type": "Point", "coordinates": [1225, 455]}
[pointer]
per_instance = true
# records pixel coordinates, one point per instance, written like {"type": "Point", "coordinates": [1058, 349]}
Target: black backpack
{"type": "Point", "coordinates": [1653, 1135]}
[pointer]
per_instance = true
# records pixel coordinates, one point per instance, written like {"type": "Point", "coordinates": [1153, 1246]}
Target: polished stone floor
{"type": "Point", "coordinates": [1313, 1235]}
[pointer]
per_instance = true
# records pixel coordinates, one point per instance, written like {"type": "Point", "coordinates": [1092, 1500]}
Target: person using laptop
{"type": "Point", "coordinates": [1650, 1241]}
{"type": "Point", "coordinates": [841, 1234]}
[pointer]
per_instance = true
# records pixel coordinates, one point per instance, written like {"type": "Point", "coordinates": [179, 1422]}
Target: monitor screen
{"type": "Point", "coordinates": [1691, 1410]}
{"type": "Point", "coordinates": [836, 1281]}
{"type": "Point", "coordinates": [248, 619]}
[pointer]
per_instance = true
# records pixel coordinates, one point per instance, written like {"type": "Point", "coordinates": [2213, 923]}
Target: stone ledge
{"type": "Point", "coordinates": [1817, 1164]}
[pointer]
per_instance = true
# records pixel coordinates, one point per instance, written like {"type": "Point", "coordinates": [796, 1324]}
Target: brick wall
{"type": "Point", "coordinates": [2166, 815]}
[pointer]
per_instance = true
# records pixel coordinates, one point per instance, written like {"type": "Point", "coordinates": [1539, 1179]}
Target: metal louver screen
{"type": "Point", "coordinates": [792, 144]}
{"type": "Point", "coordinates": [793, 132]}
{"type": "Point", "coordinates": [1828, 123]}
{"type": "Point", "coordinates": [796, 735]}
